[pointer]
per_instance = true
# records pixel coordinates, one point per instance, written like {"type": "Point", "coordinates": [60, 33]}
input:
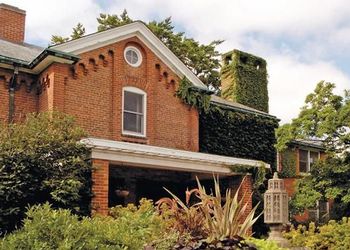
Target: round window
{"type": "Point", "coordinates": [133, 56]}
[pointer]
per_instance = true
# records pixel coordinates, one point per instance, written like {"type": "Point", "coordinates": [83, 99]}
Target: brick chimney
{"type": "Point", "coordinates": [12, 23]}
{"type": "Point", "coordinates": [244, 80]}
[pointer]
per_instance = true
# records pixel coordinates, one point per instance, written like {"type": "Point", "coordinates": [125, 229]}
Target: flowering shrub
{"type": "Point", "coordinates": [334, 235]}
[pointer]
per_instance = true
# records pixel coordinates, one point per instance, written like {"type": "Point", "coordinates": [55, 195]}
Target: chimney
{"type": "Point", "coordinates": [244, 80]}
{"type": "Point", "coordinates": [12, 23]}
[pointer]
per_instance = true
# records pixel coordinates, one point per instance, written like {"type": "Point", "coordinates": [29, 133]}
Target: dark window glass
{"type": "Point", "coordinates": [303, 161]}
{"type": "Point", "coordinates": [133, 112]}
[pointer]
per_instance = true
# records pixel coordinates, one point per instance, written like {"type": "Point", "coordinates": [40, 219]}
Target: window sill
{"type": "Point", "coordinates": [134, 138]}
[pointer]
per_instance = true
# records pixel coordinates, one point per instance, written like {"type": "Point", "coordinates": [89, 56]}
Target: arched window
{"type": "Point", "coordinates": [134, 111]}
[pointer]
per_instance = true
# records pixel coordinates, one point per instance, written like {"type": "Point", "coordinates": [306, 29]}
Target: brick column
{"type": "Point", "coordinates": [246, 192]}
{"type": "Point", "coordinates": [100, 176]}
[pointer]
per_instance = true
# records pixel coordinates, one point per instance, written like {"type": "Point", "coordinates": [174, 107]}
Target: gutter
{"type": "Point", "coordinates": [45, 53]}
{"type": "Point", "coordinates": [12, 87]}
{"type": "Point", "coordinates": [244, 110]}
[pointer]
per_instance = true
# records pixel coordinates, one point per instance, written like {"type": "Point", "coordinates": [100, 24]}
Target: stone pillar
{"type": "Point", "coordinates": [100, 176]}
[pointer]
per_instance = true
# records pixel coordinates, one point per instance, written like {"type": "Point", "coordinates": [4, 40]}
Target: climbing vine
{"type": "Point", "coordinates": [230, 132]}
{"type": "Point", "coordinates": [191, 96]}
{"type": "Point", "coordinates": [245, 80]}
{"type": "Point", "coordinates": [289, 161]}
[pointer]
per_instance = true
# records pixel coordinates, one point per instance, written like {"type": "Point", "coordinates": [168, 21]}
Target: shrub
{"type": "Point", "coordinates": [334, 235]}
{"type": "Point", "coordinates": [41, 160]}
{"type": "Point", "coordinates": [263, 244]}
{"type": "Point", "coordinates": [130, 228]}
{"type": "Point", "coordinates": [213, 217]}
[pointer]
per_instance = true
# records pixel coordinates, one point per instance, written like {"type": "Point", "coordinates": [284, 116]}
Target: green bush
{"type": "Point", "coordinates": [129, 228]}
{"type": "Point", "coordinates": [263, 244]}
{"type": "Point", "coordinates": [41, 160]}
{"type": "Point", "coordinates": [334, 235]}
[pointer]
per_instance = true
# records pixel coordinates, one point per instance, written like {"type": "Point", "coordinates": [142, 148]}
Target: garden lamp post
{"type": "Point", "coordinates": [276, 209]}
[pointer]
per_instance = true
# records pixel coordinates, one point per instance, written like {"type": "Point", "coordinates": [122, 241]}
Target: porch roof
{"type": "Point", "coordinates": [132, 154]}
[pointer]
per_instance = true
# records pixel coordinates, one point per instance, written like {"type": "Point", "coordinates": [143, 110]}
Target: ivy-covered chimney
{"type": "Point", "coordinates": [244, 80]}
{"type": "Point", "coordinates": [12, 23]}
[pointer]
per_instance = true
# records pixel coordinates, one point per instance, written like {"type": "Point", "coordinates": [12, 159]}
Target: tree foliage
{"type": "Point", "coordinates": [77, 32]}
{"type": "Point", "coordinates": [41, 160]}
{"type": "Point", "coordinates": [202, 59]}
{"type": "Point", "coordinates": [325, 115]}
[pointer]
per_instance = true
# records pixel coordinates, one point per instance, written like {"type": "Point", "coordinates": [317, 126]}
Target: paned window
{"type": "Point", "coordinates": [134, 111]}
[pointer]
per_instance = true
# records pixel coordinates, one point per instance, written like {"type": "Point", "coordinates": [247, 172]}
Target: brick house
{"type": "Point", "coordinates": [294, 163]}
{"type": "Point", "coordinates": [119, 84]}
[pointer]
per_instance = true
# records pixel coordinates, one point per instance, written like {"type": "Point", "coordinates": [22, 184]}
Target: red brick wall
{"type": "Point", "coordinates": [92, 92]}
{"type": "Point", "coordinates": [12, 23]}
{"type": "Point", "coordinates": [100, 187]}
{"type": "Point", "coordinates": [25, 97]}
{"type": "Point", "coordinates": [246, 192]}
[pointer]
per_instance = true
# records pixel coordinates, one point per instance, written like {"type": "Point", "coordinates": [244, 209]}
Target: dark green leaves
{"type": "Point", "coordinates": [42, 160]}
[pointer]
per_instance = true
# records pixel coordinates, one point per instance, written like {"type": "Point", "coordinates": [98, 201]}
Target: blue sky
{"type": "Point", "coordinates": [303, 41]}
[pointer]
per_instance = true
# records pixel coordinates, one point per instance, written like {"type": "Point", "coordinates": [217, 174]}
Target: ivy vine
{"type": "Point", "coordinates": [244, 80]}
{"type": "Point", "coordinates": [230, 132]}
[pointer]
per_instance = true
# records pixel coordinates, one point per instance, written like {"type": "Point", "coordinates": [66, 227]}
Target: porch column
{"type": "Point", "coordinates": [246, 192]}
{"type": "Point", "coordinates": [100, 176]}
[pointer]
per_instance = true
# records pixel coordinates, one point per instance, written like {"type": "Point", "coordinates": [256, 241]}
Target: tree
{"type": "Point", "coordinates": [325, 115]}
{"type": "Point", "coordinates": [77, 32]}
{"type": "Point", "coordinates": [42, 160]}
{"type": "Point", "coordinates": [202, 59]}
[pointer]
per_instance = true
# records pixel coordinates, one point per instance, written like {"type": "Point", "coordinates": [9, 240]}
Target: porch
{"type": "Point", "coordinates": [126, 172]}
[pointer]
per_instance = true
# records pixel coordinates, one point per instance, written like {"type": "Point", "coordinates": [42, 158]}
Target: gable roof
{"type": "Point", "coordinates": [310, 143]}
{"type": "Point", "coordinates": [141, 31]}
{"type": "Point", "coordinates": [24, 52]}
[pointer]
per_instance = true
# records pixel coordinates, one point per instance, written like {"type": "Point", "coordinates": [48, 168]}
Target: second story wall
{"type": "Point", "coordinates": [92, 91]}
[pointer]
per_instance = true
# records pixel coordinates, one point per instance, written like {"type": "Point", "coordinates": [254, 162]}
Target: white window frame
{"type": "Point", "coordinates": [140, 92]}
{"type": "Point", "coordinates": [317, 210]}
{"type": "Point", "coordinates": [308, 166]}
{"type": "Point", "coordinates": [137, 51]}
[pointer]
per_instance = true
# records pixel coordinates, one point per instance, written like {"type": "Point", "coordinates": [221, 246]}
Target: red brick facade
{"type": "Point", "coordinates": [91, 91]}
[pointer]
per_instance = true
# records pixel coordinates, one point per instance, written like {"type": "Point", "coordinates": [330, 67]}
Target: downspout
{"type": "Point", "coordinates": [12, 87]}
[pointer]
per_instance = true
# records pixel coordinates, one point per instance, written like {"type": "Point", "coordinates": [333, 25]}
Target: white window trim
{"type": "Point", "coordinates": [317, 210]}
{"type": "Point", "coordinates": [308, 166]}
{"type": "Point", "coordinates": [141, 92]}
{"type": "Point", "coordinates": [137, 51]}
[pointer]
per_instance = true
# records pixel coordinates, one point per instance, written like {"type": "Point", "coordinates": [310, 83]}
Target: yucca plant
{"type": "Point", "coordinates": [213, 217]}
{"type": "Point", "coordinates": [225, 217]}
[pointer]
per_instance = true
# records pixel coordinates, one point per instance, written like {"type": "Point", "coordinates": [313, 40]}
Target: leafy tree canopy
{"type": "Point", "coordinates": [202, 59]}
{"type": "Point", "coordinates": [325, 115]}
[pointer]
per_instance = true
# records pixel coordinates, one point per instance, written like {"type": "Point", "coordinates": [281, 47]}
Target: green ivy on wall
{"type": "Point", "coordinates": [228, 132]}
{"type": "Point", "coordinates": [288, 162]}
{"type": "Point", "coordinates": [244, 80]}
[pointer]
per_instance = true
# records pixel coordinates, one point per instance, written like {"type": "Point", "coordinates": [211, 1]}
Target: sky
{"type": "Point", "coordinates": [303, 42]}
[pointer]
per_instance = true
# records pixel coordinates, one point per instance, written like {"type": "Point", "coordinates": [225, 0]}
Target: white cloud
{"type": "Point", "coordinates": [291, 80]}
{"type": "Point", "coordinates": [46, 18]}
